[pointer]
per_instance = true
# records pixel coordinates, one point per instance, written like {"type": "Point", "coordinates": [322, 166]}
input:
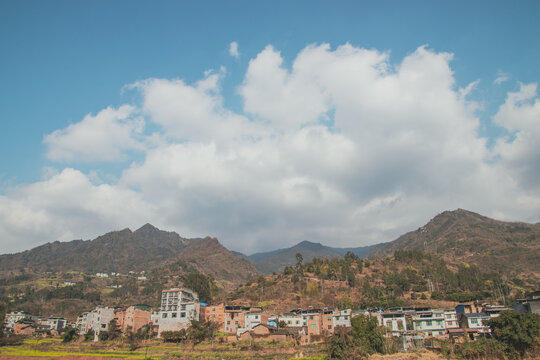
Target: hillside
{"type": "Point", "coordinates": [511, 249]}
{"type": "Point", "coordinates": [207, 256]}
{"type": "Point", "coordinates": [277, 260]}
{"type": "Point", "coordinates": [119, 251]}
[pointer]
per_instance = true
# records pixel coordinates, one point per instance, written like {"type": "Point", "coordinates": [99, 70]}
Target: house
{"type": "Point", "coordinates": [494, 310]}
{"type": "Point", "coordinates": [55, 323]}
{"type": "Point", "coordinates": [429, 323]}
{"type": "Point", "coordinates": [178, 308]}
{"type": "Point", "coordinates": [291, 319]}
{"type": "Point", "coordinates": [215, 313]}
{"type": "Point", "coordinates": [262, 332]}
{"type": "Point", "coordinates": [394, 321]}
{"type": "Point", "coordinates": [451, 319]}
{"type": "Point", "coordinates": [253, 317]}
{"type": "Point", "coordinates": [24, 328]}
{"type": "Point", "coordinates": [476, 322]}
{"type": "Point", "coordinates": [97, 320]}
{"type": "Point", "coordinates": [17, 316]}
{"type": "Point", "coordinates": [134, 317]}
{"type": "Point", "coordinates": [342, 318]}
{"type": "Point", "coordinates": [235, 318]}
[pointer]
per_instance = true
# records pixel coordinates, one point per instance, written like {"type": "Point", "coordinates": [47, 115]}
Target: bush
{"type": "Point", "coordinates": [70, 334]}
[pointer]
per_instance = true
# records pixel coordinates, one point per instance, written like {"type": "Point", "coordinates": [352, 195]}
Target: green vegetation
{"type": "Point", "coordinates": [70, 334]}
{"type": "Point", "coordinates": [204, 285]}
{"type": "Point", "coordinates": [365, 338]}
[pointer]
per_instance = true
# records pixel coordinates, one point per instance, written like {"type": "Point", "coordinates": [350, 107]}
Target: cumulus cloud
{"type": "Point", "coordinates": [233, 50]}
{"type": "Point", "coordinates": [67, 206]}
{"type": "Point", "coordinates": [193, 112]}
{"type": "Point", "coordinates": [342, 146]}
{"type": "Point", "coordinates": [104, 137]}
{"type": "Point", "coordinates": [520, 152]}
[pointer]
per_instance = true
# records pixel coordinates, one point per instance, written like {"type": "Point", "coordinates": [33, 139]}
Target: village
{"type": "Point", "coordinates": [180, 306]}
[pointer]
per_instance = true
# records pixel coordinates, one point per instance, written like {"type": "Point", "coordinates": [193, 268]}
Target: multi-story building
{"type": "Point", "coordinates": [430, 323]}
{"type": "Point", "coordinates": [394, 321]}
{"type": "Point", "coordinates": [477, 322]}
{"type": "Point", "coordinates": [97, 320]}
{"type": "Point", "coordinates": [253, 317]}
{"type": "Point", "coordinates": [451, 319]}
{"type": "Point", "coordinates": [178, 308]}
{"type": "Point", "coordinates": [134, 317]}
{"type": "Point", "coordinates": [17, 316]}
{"type": "Point", "coordinates": [215, 313]}
{"type": "Point", "coordinates": [54, 323]}
{"type": "Point", "coordinates": [342, 318]}
{"type": "Point", "coordinates": [235, 318]}
{"type": "Point", "coordinates": [291, 319]}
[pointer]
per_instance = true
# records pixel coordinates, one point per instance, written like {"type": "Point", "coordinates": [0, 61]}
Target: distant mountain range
{"type": "Point", "coordinates": [461, 236]}
{"type": "Point", "coordinates": [122, 251]}
{"type": "Point", "coordinates": [275, 261]}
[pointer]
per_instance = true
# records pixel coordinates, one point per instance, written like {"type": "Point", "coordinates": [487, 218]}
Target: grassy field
{"type": "Point", "coordinates": [55, 348]}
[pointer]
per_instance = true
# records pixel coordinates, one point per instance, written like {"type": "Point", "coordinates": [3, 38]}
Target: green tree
{"type": "Point", "coordinates": [299, 259]}
{"type": "Point", "coordinates": [70, 334]}
{"type": "Point", "coordinates": [89, 336]}
{"type": "Point", "coordinates": [518, 332]}
{"type": "Point", "coordinates": [203, 285]}
{"type": "Point", "coordinates": [367, 333]}
{"type": "Point", "coordinates": [341, 345]}
{"type": "Point", "coordinates": [200, 331]}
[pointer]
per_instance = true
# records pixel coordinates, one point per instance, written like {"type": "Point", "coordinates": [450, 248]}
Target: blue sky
{"type": "Point", "coordinates": [63, 60]}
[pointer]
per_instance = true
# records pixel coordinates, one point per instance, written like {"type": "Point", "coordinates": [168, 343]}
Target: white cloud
{"type": "Point", "coordinates": [520, 153]}
{"type": "Point", "coordinates": [501, 77]}
{"type": "Point", "coordinates": [104, 137]}
{"type": "Point", "coordinates": [67, 206]}
{"type": "Point", "coordinates": [233, 50]}
{"type": "Point", "coordinates": [342, 146]}
{"type": "Point", "coordinates": [193, 112]}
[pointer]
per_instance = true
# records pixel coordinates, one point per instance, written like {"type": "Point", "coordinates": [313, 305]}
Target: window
{"type": "Point", "coordinates": [164, 315]}
{"type": "Point", "coordinates": [329, 319]}
{"type": "Point", "coordinates": [313, 326]}
{"type": "Point", "coordinates": [428, 323]}
{"type": "Point", "coordinates": [337, 317]}
{"type": "Point", "coordinates": [311, 317]}
{"type": "Point", "coordinates": [182, 314]}
{"type": "Point", "coordinates": [103, 326]}
{"type": "Point", "coordinates": [228, 322]}
{"type": "Point", "coordinates": [174, 314]}
{"type": "Point", "coordinates": [297, 322]}
{"type": "Point", "coordinates": [329, 327]}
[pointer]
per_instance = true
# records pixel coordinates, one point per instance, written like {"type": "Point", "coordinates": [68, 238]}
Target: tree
{"type": "Point", "coordinates": [200, 331]}
{"type": "Point", "coordinates": [368, 334]}
{"type": "Point", "coordinates": [70, 334]}
{"type": "Point", "coordinates": [203, 285]}
{"type": "Point", "coordinates": [89, 336]}
{"type": "Point", "coordinates": [299, 259]}
{"type": "Point", "coordinates": [341, 345]}
{"type": "Point", "coordinates": [518, 332]}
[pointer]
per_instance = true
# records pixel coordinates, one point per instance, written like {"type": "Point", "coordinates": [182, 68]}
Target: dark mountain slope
{"type": "Point", "coordinates": [119, 251]}
{"type": "Point", "coordinates": [209, 257]}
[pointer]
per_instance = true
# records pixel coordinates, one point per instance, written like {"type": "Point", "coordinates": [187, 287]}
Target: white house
{"type": "Point", "coordinates": [178, 308]}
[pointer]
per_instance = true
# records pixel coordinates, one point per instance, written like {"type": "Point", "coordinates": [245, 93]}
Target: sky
{"type": "Point", "coordinates": [265, 123]}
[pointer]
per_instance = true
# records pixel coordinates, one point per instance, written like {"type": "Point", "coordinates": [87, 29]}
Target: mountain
{"type": "Point", "coordinates": [509, 248]}
{"type": "Point", "coordinates": [275, 261]}
{"type": "Point", "coordinates": [119, 251]}
{"type": "Point", "coordinates": [209, 257]}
